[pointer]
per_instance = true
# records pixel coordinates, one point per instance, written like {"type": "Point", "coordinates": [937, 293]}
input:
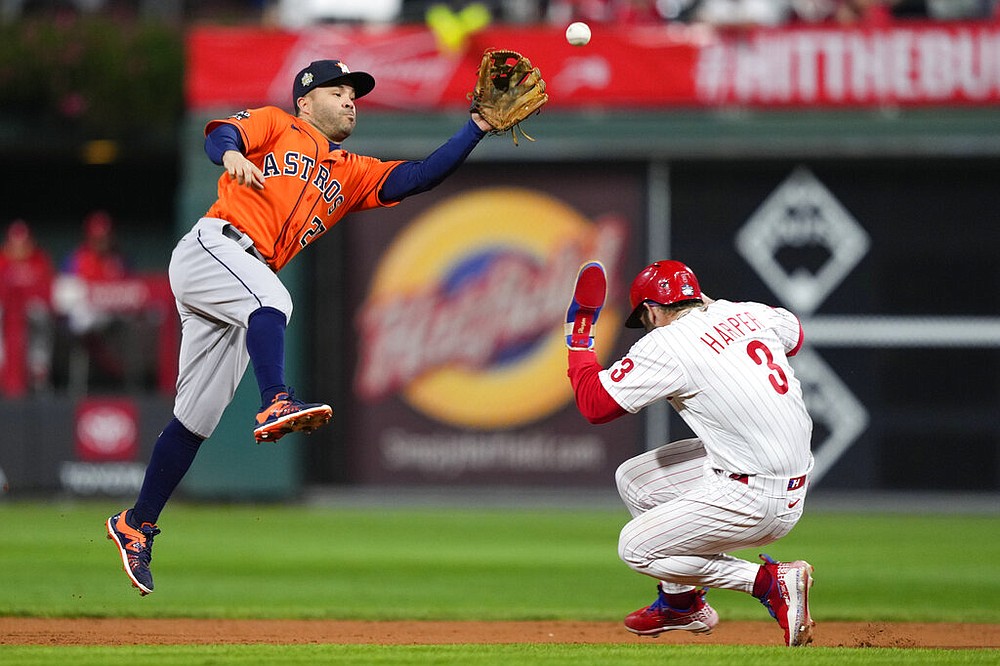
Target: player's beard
{"type": "Point", "coordinates": [335, 126]}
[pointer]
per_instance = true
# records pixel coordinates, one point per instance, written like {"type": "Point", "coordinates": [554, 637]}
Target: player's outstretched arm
{"type": "Point", "coordinates": [415, 176]}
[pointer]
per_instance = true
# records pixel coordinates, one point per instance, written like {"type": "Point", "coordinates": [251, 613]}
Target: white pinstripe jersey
{"type": "Point", "coordinates": [724, 369]}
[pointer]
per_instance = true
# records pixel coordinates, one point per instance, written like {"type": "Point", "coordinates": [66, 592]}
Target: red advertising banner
{"type": "Point", "coordinates": [638, 67]}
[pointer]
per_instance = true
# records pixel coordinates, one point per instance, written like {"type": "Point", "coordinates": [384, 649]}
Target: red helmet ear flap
{"type": "Point", "coordinates": [664, 282]}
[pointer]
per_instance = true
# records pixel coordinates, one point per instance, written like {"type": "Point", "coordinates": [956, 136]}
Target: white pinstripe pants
{"type": "Point", "coordinates": [686, 517]}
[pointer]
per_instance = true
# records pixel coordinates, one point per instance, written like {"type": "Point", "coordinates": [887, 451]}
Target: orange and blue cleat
{"type": "Point", "coordinates": [287, 414]}
{"type": "Point", "coordinates": [135, 545]}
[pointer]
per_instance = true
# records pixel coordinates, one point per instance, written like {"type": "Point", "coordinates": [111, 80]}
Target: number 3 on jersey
{"type": "Point", "coordinates": [619, 373]}
{"type": "Point", "coordinates": [761, 355]}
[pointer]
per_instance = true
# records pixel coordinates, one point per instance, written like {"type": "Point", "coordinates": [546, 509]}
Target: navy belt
{"type": "Point", "coordinates": [229, 231]}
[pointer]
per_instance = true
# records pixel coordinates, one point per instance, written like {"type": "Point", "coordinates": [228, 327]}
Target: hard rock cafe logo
{"type": "Point", "coordinates": [465, 313]}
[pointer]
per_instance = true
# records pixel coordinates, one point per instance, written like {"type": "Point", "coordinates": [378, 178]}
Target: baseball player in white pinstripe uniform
{"type": "Point", "coordinates": [741, 482]}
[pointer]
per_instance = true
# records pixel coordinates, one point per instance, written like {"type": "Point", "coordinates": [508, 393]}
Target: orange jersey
{"type": "Point", "coordinates": [308, 188]}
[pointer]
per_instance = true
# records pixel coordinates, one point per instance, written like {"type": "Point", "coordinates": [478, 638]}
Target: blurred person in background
{"type": "Point", "coordinates": [616, 12]}
{"type": "Point", "coordinates": [26, 276]}
{"type": "Point", "coordinates": [939, 10]}
{"type": "Point", "coordinates": [452, 29]}
{"type": "Point", "coordinates": [841, 12]}
{"type": "Point", "coordinates": [298, 14]}
{"type": "Point", "coordinates": [742, 14]}
{"type": "Point", "coordinates": [96, 259]}
{"type": "Point", "coordinates": [951, 10]}
{"type": "Point", "coordinates": [862, 12]}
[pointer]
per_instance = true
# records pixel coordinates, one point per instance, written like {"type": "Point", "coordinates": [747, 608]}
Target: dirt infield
{"type": "Point", "coordinates": [113, 631]}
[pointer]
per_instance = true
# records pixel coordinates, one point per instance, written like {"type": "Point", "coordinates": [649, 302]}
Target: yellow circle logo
{"type": "Point", "coordinates": [465, 312]}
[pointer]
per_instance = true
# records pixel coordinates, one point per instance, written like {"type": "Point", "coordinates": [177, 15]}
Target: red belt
{"type": "Point", "coordinates": [793, 483]}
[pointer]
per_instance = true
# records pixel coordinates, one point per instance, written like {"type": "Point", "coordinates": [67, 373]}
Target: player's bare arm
{"type": "Point", "coordinates": [481, 122]}
{"type": "Point", "coordinates": [242, 170]}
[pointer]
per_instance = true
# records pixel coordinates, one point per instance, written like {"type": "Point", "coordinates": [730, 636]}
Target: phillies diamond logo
{"type": "Point", "coordinates": [802, 242]}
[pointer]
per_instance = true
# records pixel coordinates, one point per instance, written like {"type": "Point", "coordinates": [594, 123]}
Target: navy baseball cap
{"type": "Point", "coordinates": [330, 72]}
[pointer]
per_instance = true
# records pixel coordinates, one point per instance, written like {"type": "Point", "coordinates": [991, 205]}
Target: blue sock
{"type": "Point", "coordinates": [173, 454]}
{"type": "Point", "coordinates": [266, 345]}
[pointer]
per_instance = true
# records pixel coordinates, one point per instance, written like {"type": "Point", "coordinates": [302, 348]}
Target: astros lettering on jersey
{"type": "Point", "coordinates": [308, 187]}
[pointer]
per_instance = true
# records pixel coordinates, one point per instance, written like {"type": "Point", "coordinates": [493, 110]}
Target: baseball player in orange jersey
{"type": "Point", "coordinates": [287, 180]}
{"type": "Point", "coordinates": [740, 482]}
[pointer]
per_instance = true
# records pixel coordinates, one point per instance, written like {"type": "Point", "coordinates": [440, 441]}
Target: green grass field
{"type": "Point", "coordinates": [268, 561]}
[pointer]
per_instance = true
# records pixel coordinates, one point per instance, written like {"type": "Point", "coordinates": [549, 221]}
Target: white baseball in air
{"type": "Point", "coordinates": [578, 33]}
